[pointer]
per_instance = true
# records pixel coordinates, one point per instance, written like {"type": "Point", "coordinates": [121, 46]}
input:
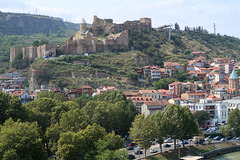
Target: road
{"type": "Point", "coordinates": [166, 149]}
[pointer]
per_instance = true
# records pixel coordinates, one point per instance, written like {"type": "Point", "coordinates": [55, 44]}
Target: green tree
{"type": "Point", "coordinates": [111, 97]}
{"type": "Point", "coordinates": [177, 26]}
{"type": "Point", "coordinates": [234, 122]}
{"type": "Point", "coordinates": [72, 145]}
{"type": "Point", "coordinates": [57, 96]}
{"type": "Point", "coordinates": [225, 130]}
{"type": "Point", "coordinates": [143, 131]}
{"type": "Point", "coordinates": [21, 140]}
{"type": "Point", "coordinates": [111, 141]}
{"type": "Point", "coordinates": [36, 43]}
{"type": "Point", "coordinates": [74, 121]}
{"type": "Point", "coordinates": [11, 107]}
{"type": "Point", "coordinates": [40, 111]}
{"type": "Point", "coordinates": [163, 83]}
{"type": "Point", "coordinates": [188, 126]}
{"type": "Point", "coordinates": [100, 113]}
{"type": "Point", "coordinates": [201, 116]}
{"type": "Point", "coordinates": [159, 128]}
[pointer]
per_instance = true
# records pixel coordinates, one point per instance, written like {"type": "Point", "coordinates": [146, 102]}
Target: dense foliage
{"type": "Point", "coordinates": [89, 129]}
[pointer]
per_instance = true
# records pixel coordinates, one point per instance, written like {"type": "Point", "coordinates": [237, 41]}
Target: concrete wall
{"type": "Point", "coordinates": [221, 151]}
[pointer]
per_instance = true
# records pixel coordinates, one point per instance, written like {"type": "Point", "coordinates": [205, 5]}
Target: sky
{"type": "Point", "coordinates": [224, 13]}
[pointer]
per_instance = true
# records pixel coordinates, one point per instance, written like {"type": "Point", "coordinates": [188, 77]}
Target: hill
{"type": "Point", "coordinates": [118, 69]}
{"type": "Point", "coordinates": [21, 30]}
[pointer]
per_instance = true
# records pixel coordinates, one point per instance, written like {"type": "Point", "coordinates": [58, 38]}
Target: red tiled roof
{"type": "Point", "coordinates": [163, 102]}
{"type": "Point", "coordinates": [213, 97]}
{"type": "Point", "coordinates": [148, 91]}
{"type": "Point", "coordinates": [196, 93]}
{"type": "Point", "coordinates": [130, 93]}
{"type": "Point", "coordinates": [175, 83]}
{"type": "Point", "coordinates": [152, 103]}
{"type": "Point", "coordinates": [141, 99]}
{"type": "Point", "coordinates": [86, 87]}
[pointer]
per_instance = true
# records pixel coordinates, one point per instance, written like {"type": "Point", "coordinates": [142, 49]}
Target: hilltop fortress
{"type": "Point", "coordinates": [114, 38]}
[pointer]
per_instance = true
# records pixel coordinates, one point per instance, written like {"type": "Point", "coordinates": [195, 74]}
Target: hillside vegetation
{"type": "Point", "coordinates": [146, 47]}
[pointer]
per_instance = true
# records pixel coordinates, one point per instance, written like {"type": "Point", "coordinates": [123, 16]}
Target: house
{"type": "Point", "coordinates": [22, 95]}
{"type": "Point", "coordinates": [171, 67]}
{"type": "Point", "coordinates": [148, 108]}
{"type": "Point", "coordinates": [176, 88]}
{"type": "Point", "coordinates": [139, 101]}
{"type": "Point", "coordinates": [221, 93]}
{"type": "Point", "coordinates": [194, 96]}
{"type": "Point", "coordinates": [101, 89]}
{"type": "Point", "coordinates": [233, 92]}
{"type": "Point", "coordinates": [83, 90]}
{"type": "Point", "coordinates": [198, 53]}
{"type": "Point", "coordinates": [166, 94]}
{"type": "Point", "coordinates": [156, 95]}
{"type": "Point", "coordinates": [196, 73]}
{"type": "Point", "coordinates": [174, 101]}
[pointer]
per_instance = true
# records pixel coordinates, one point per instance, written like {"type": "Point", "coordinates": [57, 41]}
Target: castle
{"type": "Point", "coordinates": [84, 40]}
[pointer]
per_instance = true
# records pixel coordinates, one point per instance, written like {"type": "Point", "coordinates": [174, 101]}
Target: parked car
{"type": "Point", "coordinates": [132, 144]}
{"type": "Point", "coordinates": [178, 145]}
{"type": "Point", "coordinates": [138, 152]}
{"type": "Point", "coordinates": [238, 138]}
{"type": "Point", "coordinates": [131, 156]}
{"type": "Point", "coordinates": [229, 137]}
{"type": "Point", "coordinates": [223, 139]}
{"type": "Point", "coordinates": [166, 145]}
{"type": "Point", "coordinates": [217, 138]}
{"type": "Point", "coordinates": [153, 150]}
{"type": "Point", "coordinates": [139, 147]}
{"type": "Point", "coordinates": [129, 148]}
{"type": "Point", "coordinates": [169, 140]}
{"type": "Point", "coordinates": [184, 142]}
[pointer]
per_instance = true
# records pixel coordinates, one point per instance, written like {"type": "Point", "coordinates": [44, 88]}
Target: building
{"type": "Point", "coordinates": [194, 96]}
{"type": "Point", "coordinates": [217, 110]}
{"type": "Point", "coordinates": [139, 101]}
{"type": "Point", "coordinates": [101, 89]}
{"type": "Point", "coordinates": [176, 88]}
{"type": "Point", "coordinates": [233, 103]}
{"type": "Point", "coordinates": [83, 90]}
{"type": "Point", "coordinates": [148, 108]}
{"type": "Point", "coordinates": [233, 80]}
{"type": "Point", "coordinates": [156, 95]}
{"type": "Point", "coordinates": [221, 93]}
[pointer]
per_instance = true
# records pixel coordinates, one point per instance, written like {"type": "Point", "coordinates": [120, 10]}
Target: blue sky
{"type": "Point", "coordinates": [224, 13]}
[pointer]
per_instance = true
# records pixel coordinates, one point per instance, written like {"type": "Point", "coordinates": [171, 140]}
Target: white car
{"type": "Point", "coordinates": [153, 150]}
{"type": "Point", "coordinates": [169, 140]}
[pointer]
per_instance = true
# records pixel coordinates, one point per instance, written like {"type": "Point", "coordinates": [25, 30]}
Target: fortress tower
{"type": "Point", "coordinates": [83, 26]}
{"type": "Point", "coordinates": [233, 80]}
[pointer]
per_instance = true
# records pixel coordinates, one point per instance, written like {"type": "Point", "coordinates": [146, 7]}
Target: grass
{"type": "Point", "coordinates": [193, 150]}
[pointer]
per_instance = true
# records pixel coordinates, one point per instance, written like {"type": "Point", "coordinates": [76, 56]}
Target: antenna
{"type": "Point", "coordinates": [214, 28]}
{"type": "Point", "coordinates": [36, 10]}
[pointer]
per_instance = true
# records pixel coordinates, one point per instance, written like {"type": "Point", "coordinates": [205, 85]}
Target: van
{"type": "Point", "coordinates": [198, 140]}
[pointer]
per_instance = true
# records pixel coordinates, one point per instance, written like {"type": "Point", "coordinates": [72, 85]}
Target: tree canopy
{"type": "Point", "coordinates": [21, 140]}
{"type": "Point", "coordinates": [202, 117]}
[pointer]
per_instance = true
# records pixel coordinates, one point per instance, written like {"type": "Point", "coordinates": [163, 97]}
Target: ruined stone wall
{"type": "Point", "coordinates": [101, 26]}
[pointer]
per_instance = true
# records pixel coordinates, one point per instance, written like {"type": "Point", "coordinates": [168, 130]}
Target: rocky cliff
{"type": "Point", "coordinates": [17, 24]}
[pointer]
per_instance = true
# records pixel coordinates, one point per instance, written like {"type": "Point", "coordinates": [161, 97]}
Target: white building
{"type": "Point", "coordinates": [218, 111]}
{"type": "Point", "coordinates": [233, 103]}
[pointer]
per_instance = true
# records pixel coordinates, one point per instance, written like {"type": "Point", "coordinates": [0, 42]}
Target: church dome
{"type": "Point", "coordinates": [233, 75]}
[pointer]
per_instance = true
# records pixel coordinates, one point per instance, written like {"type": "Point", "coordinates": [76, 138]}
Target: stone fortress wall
{"type": "Point", "coordinates": [84, 40]}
